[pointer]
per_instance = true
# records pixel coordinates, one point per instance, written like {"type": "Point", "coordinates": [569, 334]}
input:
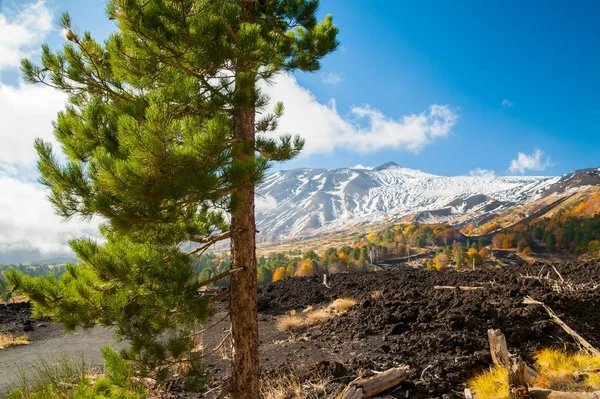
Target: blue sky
{"type": "Point", "coordinates": [518, 76]}
{"type": "Point", "coordinates": [450, 88]}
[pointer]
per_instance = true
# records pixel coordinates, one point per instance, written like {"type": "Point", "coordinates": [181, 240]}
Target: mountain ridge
{"type": "Point", "coordinates": [308, 202]}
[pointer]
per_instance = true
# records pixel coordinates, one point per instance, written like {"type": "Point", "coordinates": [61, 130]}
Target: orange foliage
{"type": "Point", "coordinates": [484, 253]}
{"type": "Point", "coordinates": [279, 274]}
{"type": "Point", "coordinates": [587, 208]}
{"type": "Point", "coordinates": [489, 227]}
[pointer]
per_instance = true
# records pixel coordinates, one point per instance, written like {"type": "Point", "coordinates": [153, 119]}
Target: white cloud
{"type": "Point", "coordinates": [486, 174]}
{"type": "Point", "coordinates": [525, 162]}
{"type": "Point", "coordinates": [507, 103]}
{"type": "Point", "coordinates": [21, 33]}
{"type": "Point", "coordinates": [365, 130]}
{"type": "Point", "coordinates": [28, 222]}
{"type": "Point", "coordinates": [264, 202]}
{"type": "Point", "coordinates": [359, 166]}
{"type": "Point", "coordinates": [27, 113]}
{"type": "Point", "coordinates": [332, 78]}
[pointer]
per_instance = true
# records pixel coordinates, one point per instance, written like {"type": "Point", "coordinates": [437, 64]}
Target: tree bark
{"type": "Point", "coordinates": [244, 283]}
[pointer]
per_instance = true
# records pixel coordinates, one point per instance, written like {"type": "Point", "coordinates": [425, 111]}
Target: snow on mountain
{"type": "Point", "coordinates": [306, 201]}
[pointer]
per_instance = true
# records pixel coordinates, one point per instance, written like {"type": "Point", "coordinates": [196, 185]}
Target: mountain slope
{"type": "Point", "coordinates": [305, 202]}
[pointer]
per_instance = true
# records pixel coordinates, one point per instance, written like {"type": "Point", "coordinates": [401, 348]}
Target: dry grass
{"type": "Point", "coordinates": [376, 294]}
{"type": "Point", "coordinates": [558, 371]}
{"type": "Point", "coordinates": [342, 305]}
{"type": "Point", "coordinates": [289, 322]}
{"type": "Point", "coordinates": [282, 387]}
{"type": "Point", "coordinates": [289, 386]}
{"type": "Point", "coordinates": [557, 367]}
{"type": "Point", "coordinates": [7, 339]}
{"type": "Point", "coordinates": [492, 384]}
{"type": "Point", "coordinates": [317, 316]}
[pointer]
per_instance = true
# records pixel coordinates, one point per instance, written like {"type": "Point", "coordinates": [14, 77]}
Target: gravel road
{"type": "Point", "coordinates": [55, 345]}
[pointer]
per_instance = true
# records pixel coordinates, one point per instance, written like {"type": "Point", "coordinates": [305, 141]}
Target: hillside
{"type": "Point", "coordinates": [311, 202]}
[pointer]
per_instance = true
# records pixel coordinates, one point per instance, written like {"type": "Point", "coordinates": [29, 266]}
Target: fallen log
{"type": "Point", "coordinates": [537, 393]}
{"type": "Point", "coordinates": [452, 287]}
{"type": "Point", "coordinates": [585, 344]}
{"type": "Point", "coordinates": [368, 387]}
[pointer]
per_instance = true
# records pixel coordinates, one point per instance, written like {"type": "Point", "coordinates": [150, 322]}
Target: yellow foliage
{"type": "Point", "coordinates": [440, 261]}
{"type": "Point", "coordinates": [305, 269]}
{"type": "Point", "coordinates": [492, 384]}
{"type": "Point", "coordinates": [279, 274]}
{"type": "Point", "coordinates": [593, 380]}
{"type": "Point", "coordinates": [370, 237]}
{"type": "Point", "coordinates": [558, 371]}
{"type": "Point", "coordinates": [561, 370]}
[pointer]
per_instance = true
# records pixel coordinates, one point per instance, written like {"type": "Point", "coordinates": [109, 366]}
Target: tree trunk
{"type": "Point", "coordinates": [244, 283]}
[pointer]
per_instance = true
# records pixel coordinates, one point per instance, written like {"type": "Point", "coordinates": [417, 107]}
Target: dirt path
{"type": "Point", "coordinates": [54, 345]}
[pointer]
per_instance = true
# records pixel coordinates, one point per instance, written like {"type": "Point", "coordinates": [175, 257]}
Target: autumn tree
{"type": "Point", "coordinates": [305, 269]}
{"type": "Point", "coordinates": [279, 274]}
{"type": "Point", "coordinates": [160, 133]}
{"type": "Point", "coordinates": [441, 261]}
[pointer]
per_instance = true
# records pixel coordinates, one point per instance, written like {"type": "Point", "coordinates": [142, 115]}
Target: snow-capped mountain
{"type": "Point", "coordinates": [304, 202]}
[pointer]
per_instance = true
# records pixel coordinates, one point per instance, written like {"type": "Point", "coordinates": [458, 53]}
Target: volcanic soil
{"type": "Point", "coordinates": [441, 334]}
{"type": "Point", "coordinates": [400, 318]}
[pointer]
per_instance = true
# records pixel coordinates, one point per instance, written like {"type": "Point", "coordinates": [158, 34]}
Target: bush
{"type": "Point", "coordinates": [70, 380]}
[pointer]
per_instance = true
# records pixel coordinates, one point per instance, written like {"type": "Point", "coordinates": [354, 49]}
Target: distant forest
{"type": "Point", "coordinates": [32, 270]}
{"type": "Point", "coordinates": [575, 229]}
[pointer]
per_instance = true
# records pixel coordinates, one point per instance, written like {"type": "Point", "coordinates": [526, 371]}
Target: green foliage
{"type": "Point", "coordinates": [30, 270]}
{"type": "Point", "coordinates": [68, 379]}
{"type": "Point", "coordinates": [153, 148]}
{"type": "Point", "coordinates": [129, 286]}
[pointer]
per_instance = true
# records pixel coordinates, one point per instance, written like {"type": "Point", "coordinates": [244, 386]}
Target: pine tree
{"type": "Point", "coordinates": [160, 134]}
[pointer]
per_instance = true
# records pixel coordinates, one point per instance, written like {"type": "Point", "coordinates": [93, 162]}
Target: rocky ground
{"type": "Point", "coordinates": [401, 319]}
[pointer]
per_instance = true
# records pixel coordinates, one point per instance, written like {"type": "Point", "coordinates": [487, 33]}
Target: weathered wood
{"type": "Point", "coordinates": [517, 379]}
{"type": "Point", "coordinates": [585, 344]}
{"type": "Point", "coordinates": [498, 348]}
{"type": "Point", "coordinates": [536, 393]}
{"type": "Point", "coordinates": [452, 287]}
{"type": "Point", "coordinates": [368, 387]}
{"type": "Point", "coordinates": [468, 394]}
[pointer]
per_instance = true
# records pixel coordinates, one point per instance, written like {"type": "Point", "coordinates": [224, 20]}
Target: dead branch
{"type": "Point", "coordinates": [368, 387]}
{"type": "Point", "coordinates": [220, 276]}
{"type": "Point", "coordinates": [219, 296]}
{"type": "Point", "coordinates": [216, 323]}
{"type": "Point", "coordinates": [461, 288]}
{"type": "Point", "coordinates": [585, 344]}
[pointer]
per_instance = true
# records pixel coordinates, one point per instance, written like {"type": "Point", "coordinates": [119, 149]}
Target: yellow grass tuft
{"type": "Point", "coordinates": [289, 322]}
{"type": "Point", "coordinates": [586, 362]}
{"type": "Point", "coordinates": [317, 316]}
{"type": "Point", "coordinates": [592, 380]}
{"type": "Point", "coordinates": [492, 384]}
{"type": "Point", "coordinates": [342, 305]}
{"type": "Point", "coordinates": [557, 367]}
{"type": "Point", "coordinates": [7, 339]}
